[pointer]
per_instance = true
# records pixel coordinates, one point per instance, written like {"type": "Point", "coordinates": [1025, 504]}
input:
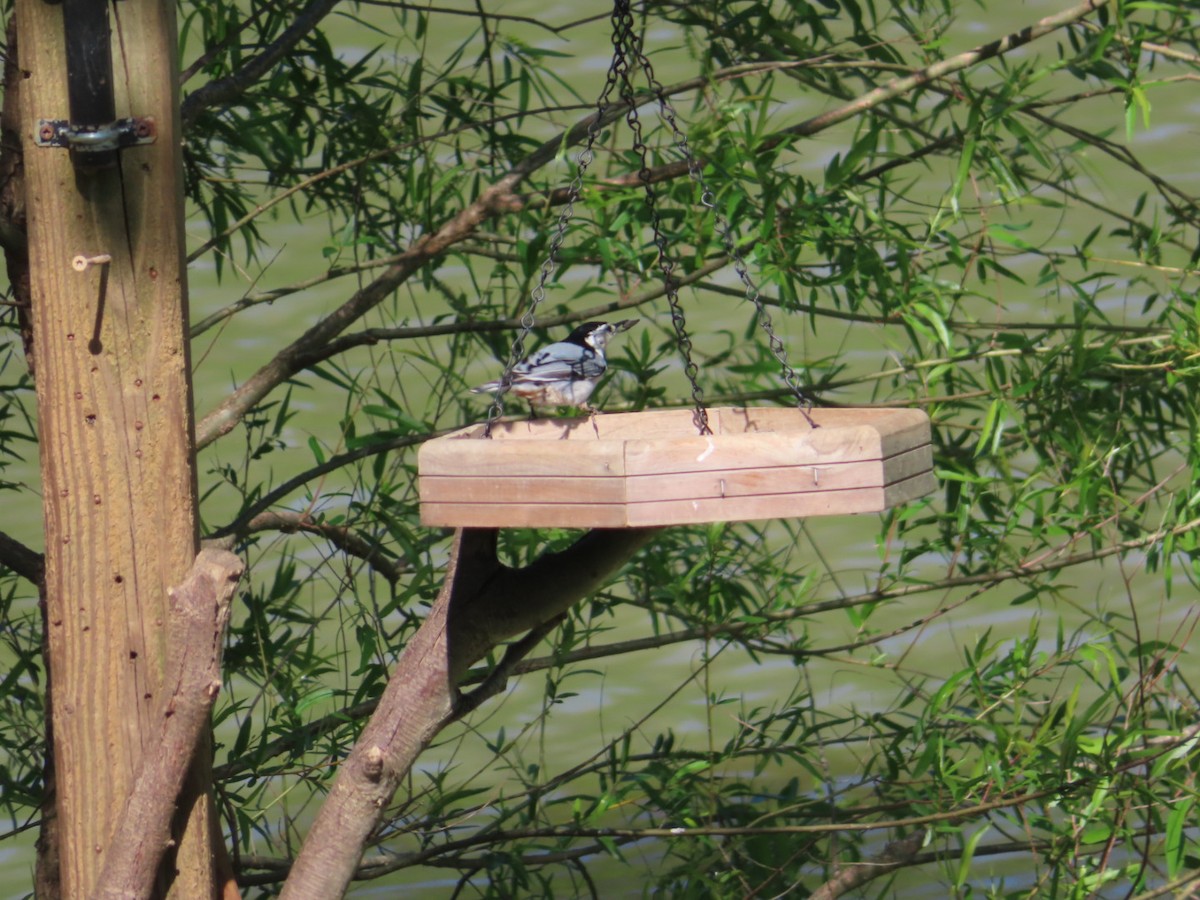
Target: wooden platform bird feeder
{"type": "Point", "coordinates": [625, 470]}
{"type": "Point", "coordinates": [658, 468]}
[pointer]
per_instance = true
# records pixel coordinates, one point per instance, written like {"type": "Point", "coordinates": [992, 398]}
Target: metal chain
{"type": "Point", "coordinates": [667, 113]}
{"type": "Point", "coordinates": [627, 44]}
{"type": "Point", "coordinates": [666, 263]}
{"type": "Point", "coordinates": [618, 67]}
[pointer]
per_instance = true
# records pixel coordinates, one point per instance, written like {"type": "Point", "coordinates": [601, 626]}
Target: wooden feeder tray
{"type": "Point", "coordinates": [623, 470]}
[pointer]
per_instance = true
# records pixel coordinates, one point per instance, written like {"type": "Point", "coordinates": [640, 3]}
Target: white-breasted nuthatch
{"type": "Point", "coordinates": [564, 373]}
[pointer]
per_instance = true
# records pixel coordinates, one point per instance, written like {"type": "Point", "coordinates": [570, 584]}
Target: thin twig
{"type": "Point", "coordinates": [341, 536]}
{"type": "Point", "coordinates": [225, 535]}
{"type": "Point", "coordinates": [496, 680]}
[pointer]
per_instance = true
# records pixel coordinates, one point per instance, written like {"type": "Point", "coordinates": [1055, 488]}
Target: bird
{"type": "Point", "coordinates": [563, 373]}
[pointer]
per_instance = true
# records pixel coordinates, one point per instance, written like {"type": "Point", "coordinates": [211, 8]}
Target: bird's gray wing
{"type": "Point", "coordinates": [559, 362]}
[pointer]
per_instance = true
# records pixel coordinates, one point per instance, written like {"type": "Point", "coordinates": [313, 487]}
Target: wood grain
{"type": "Point", "coordinates": [115, 428]}
{"type": "Point", "coordinates": [653, 469]}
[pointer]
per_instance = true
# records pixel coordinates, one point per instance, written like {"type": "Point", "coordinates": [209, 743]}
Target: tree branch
{"type": "Point", "coordinates": [20, 559]}
{"type": "Point", "coordinates": [495, 680]}
{"type": "Point", "coordinates": [293, 358]}
{"type": "Point", "coordinates": [226, 535]}
{"type": "Point", "coordinates": [894, 855]}
{"type": "Point", "coordinates": [200, 612]}
{"type": "Point", "coordinates": [481, 604]}
{"type": "Point", "coordinates": [372, 336]}
{"type": "Point", "coordinates": [484, 15]}
{"type": "Point", "coordinates": [898, 86]}
{"type": "Point", "coordinates": [519, 600]}
{"type": "Point", "coordinates": [341, 536]}
{"type": "Point", "coordinates": [224, 90]}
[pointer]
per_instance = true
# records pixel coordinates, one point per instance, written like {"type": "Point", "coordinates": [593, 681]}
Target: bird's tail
{"type": "Point", "coordinates": [490, 388]}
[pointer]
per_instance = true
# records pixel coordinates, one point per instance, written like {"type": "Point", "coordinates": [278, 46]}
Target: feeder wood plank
{"type": "Point", "coordinates": [745, 481]}
{"type": "Point", "coordinates": [652, 468]}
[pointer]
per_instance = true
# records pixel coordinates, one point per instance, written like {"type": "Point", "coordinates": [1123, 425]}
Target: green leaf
{"type": "Point", "coordinates": [315, 448]}
{"type": "Point", "coordinates": [1179, 819]}
{"type": "Point", "coordinates": [965, 158]}
{"type": "Point", "coordinates": [992, 429]}
{"type": "Point", "coordinates": [968, 856]}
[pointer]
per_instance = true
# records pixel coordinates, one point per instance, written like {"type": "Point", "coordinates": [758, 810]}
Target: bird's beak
{"type": "Point", "coordinates": [624, 325]}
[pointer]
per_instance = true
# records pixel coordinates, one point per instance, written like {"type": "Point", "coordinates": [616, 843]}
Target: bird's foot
{"type": "Point", "coordinates": [592, 413]}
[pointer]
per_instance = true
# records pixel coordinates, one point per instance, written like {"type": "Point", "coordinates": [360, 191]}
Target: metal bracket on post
{"type": "Point", "coordinates": [93, 134]}
{"type": "Point", "coordinates": [86, 139]}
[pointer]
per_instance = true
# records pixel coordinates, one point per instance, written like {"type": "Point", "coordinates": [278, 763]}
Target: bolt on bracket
{"type": "Point", "coordinates": [90, 139]}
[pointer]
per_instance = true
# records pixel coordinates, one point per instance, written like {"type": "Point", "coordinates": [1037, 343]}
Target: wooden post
{"type": "Point", "coordinates": [116, 430]}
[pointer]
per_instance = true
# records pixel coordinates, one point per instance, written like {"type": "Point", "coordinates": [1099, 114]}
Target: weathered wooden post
{"type": "Point", "coordinates": [103, 199]}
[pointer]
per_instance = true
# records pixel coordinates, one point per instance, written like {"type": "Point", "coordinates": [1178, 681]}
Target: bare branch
{"type": "Point", "coordinates": [481, 603]}
{"type": "Point", "coordinates": [275, 869]}
{"type": "Point", "coordinates": [200, 612]}
{"type": "Point", "coordinates": [894, 855]}
{"type": "Point", "coordinates": [372, 336]}
{"type": "Point", "coordinates": [418, 700]}
{"type": "Point", "coordinates": [296, 356]}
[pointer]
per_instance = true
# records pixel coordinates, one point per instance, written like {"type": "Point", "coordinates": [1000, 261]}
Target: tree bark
{"type": "Point", "coordinates": [481, 604]}
{"type": "Point", "coordinates": [854, 875]}
{"type": "Point", "coordinates": [116, 431]}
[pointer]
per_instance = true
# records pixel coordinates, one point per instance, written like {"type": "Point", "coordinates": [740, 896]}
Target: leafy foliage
{"type": "Point", "coordinates": [994, 679]}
